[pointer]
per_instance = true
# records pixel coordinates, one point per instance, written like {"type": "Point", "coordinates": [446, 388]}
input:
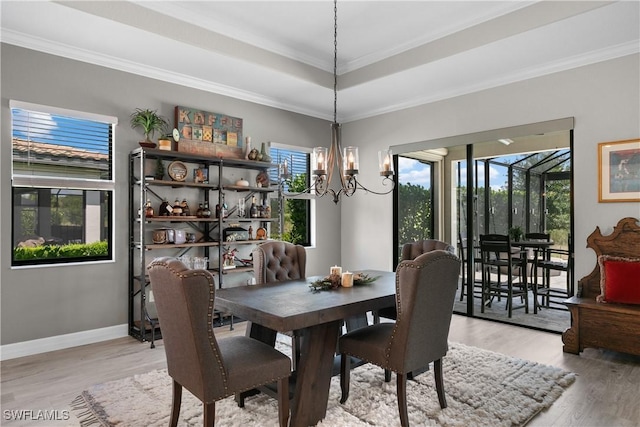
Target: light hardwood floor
{"type": "Point", "coordinates": [606, 392]}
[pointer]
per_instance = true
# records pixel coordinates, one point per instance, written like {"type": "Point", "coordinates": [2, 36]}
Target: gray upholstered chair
{"type": "Point", "coordinates": [411, 251]}
{"type": "Point", "coordinates": [211, 369]}
{"type": "Point", "coordinates": [425, 292]}
{"type": "Point", "coordinates": [277, 261]}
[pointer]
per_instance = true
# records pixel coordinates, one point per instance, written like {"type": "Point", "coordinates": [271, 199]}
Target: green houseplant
{"type": "Point", "coordinates": [150, 122]}
{"type": "Point", "coordinates": [516, 233]}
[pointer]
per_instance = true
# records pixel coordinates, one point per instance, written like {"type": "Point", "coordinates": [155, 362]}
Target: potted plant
{"type": "Point", "coordinates": [516, 233]}
{"type": "Point", "coordinates": [150, 122]}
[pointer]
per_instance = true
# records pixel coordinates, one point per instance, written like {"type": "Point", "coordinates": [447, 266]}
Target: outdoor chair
{"type": "Point", "coordinates": [500, 258]}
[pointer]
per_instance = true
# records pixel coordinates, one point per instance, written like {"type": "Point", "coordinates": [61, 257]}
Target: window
{"type": "Point", "coordinates": [62, 185]}
{"type": "Point", "coordinates": [297, 210]}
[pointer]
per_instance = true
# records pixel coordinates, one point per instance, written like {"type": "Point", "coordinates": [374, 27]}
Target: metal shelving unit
{"type": "Point", "coordinates": [143, 323]}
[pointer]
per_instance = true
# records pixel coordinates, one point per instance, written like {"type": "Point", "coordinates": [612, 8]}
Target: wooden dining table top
{"type": "Point", "coordinates": [318, 315]}
{"type": "Point", "coordinates": [292, 305]}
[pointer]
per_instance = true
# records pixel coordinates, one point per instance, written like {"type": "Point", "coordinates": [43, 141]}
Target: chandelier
{"type": "Point", "coordinates": [325, 161]}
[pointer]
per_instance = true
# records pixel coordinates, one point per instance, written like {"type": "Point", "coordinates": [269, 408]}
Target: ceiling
{"type": "Point", "coordinates": [391, 54]}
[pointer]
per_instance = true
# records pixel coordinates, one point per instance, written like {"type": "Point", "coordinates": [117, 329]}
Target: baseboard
{"type": "Point", "coordinates": [59, 342]}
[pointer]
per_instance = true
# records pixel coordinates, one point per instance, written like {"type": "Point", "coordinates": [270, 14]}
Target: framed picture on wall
{"type": "Point", "coordinates": [619, 171]}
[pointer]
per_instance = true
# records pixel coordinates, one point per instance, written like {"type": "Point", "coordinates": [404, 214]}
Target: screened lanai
{"type": "Point", "coordinates": [515, 195]}
{"type": "Point", "coordinates": [520, 179]}
{"type": "Point", "coordinates": [528, 191]}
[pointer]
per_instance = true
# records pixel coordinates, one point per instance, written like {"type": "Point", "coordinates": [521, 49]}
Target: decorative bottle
{"type": "Point", "coordinates": [165, 208]}
{"type": "Point", "coordinates": [177, 208]}
{"type": "Point", "coordinates": [206, 212]}
{"type": "Point", "coordinates": [148, 210]}
{"type": "Point", "coordinates": [247, 147]}
{"type": "Point", "coordinates": [253, 210]}
{"type": "Point", "coordinates": [199, 211]}
{"type": "Point", "coordinates": [186, 211]}
{"type": "Point", "coordinates": [265, 153]}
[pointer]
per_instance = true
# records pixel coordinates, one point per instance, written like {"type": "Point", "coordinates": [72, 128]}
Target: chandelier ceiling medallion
{"type": "Point", "coordinates": [324, 161]}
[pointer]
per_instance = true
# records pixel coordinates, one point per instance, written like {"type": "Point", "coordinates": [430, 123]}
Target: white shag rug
{"type": "Point", "coordinates": [483, 388]}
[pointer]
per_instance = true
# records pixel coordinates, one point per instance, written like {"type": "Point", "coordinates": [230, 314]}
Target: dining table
{"type": "Point", "coordinates": [318, 316]}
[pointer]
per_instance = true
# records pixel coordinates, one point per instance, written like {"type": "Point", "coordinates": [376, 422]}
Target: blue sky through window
{"type": "Point", "coordinates": [53, 129]}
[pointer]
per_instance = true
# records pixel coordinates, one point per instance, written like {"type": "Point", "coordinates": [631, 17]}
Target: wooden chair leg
{"type": "Point", "coordinates": [345, 372]}
{"type": "Point", "coordinates": [437, 372]}
{"type": "Point", "coordinates": [175, 407]}
{"type": "Point", "coordinates": [209, 410]}
{"type": "Point", "coordinates": [239, 398]}
{"type": "Point", "coordinates": [387, 375]}
{"type": "Point", "coordinates": [283, 401]}
{"type": "Point", "coordinates": [402, 399]}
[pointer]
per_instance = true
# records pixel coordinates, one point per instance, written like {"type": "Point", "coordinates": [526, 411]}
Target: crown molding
{"type": "Point", "coordinates": [594, 57]}
{"type": "Point", "coordinates": [63, 50]}
{"type": "Point", "coordinates": [91, 57]}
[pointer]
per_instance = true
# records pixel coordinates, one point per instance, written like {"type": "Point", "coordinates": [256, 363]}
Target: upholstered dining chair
{"type": "Point", "coordinates": [425, 293]}
{"type": "Point", "coordinates": [277, 261]}
{"type": "Point", "coordinates": [210, 368]}
{"type": "Point", "coordinates": [410, 251]}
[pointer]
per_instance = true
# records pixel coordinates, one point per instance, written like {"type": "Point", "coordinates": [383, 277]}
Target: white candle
{"type": "Point", "coordinates": [320, 161]}
{"type": "Point", "coordinates": [347, 279]}
{"type": "Point", "coordinates": [387, 164]}
{"type": "Point", "coordinates": [351, 162]}
{"type": "Point", "coordinates": [336, 270]}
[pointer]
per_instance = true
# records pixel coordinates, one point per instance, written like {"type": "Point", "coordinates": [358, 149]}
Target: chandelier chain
{"type": "Point", "coordinates": [325, 161]}
{"type": "Point", "coordinates": [335, 61]}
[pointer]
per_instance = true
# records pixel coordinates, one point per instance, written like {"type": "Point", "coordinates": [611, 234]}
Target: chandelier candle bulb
{"type": "Point", "coordinates": [347, 279]}
{"type": "Point", "coordinates": [320, 160]}
{"type": "Point", "coordinates": [350, 158]}
{"type": "Point", "coordinates": [384, 160]}
{"type": "Point", "coordinates": [336, 270]}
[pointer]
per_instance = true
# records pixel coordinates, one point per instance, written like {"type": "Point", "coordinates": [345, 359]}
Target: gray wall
{"type": "Point", "coordinates": [50, 301]}
{"type": "Point", "coordinates": [604, 98]}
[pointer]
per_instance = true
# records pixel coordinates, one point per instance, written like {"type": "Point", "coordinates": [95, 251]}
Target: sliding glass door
{"type": "Point", "coordinates": [489, 182]}
{"type": "Point", "coordinates": [415, 203]}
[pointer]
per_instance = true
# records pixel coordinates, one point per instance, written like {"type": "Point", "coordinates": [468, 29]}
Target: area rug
{"type": "Point", "coordinates": [483, 388]}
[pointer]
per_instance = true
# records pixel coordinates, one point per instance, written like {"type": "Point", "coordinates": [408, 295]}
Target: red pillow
{"type": "Point", "coordinates": [619, 280]}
